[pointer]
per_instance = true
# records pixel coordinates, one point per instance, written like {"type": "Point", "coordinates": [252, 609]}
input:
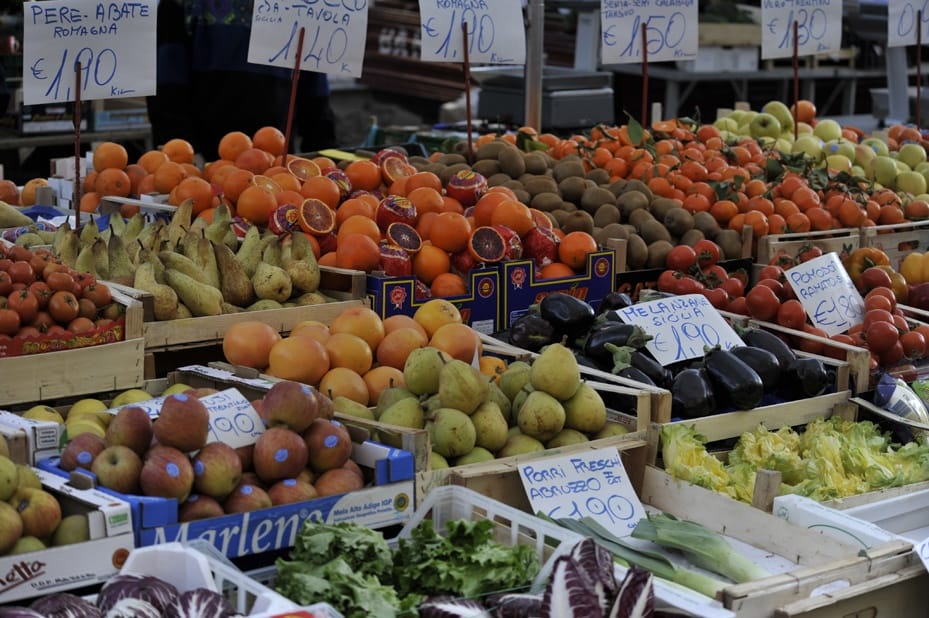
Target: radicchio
{"type": "Point", "coordinates": [450, 607]}
{"type": "Point", "coordinates": [200, 603]}
{"type": "Point", "coordinates": [636, 598]}
{"type": "Point", "coordinates": [596, 568]}
{"type": "Point", "coordinates": [65, 605]}
{"type": "Point", "coordinates": [18, 612]}
{"type": "Point", "coordinates": [567, 595]}
{"type": "Point", "coordinates": [516, 605]}
{"type": "Point", "coordinates": [147, 588]}
{"type": "Point", "coordinates": [133, 608]}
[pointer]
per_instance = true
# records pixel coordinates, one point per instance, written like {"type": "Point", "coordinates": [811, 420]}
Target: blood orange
{"type": "Point", "coordinates": [404, 236]}
{"type": "Point", "coordinates": [315, 217]}
{"type": "Point", "coordinates": [514, 246]}
{"type": "Point", "coordinates": [487, 245]}
{"type": "Point", "coordinates": [302, 168]}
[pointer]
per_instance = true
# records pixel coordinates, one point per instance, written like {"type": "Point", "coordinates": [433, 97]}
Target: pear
{"type": "Point", "coordinates": [556, 372]}
{"type": "Point", "coordinates": [146, 255]}
{"type": "Point", "coordinates": [437, 462]}
{"type": "Point", "coordinates": [235, 285]}
{"type": "Point", "coordinates": [222, 219]}
{"type": "Point", "coordinates": [180, 221]}
{"type": "Point", "coordinates": [264, 305]}
{"type": "Point", "coordinates": [165, 298]}
{"type": "Point", "coordinates": [182, 264]}
{"type": "Point", "coordinates": [150, 233]}
{"type": "Point", "coordinates": [26, 477]}
{"type": "Point", "coordinates": [182, 312]}
{"type": "Point", "coordinates": [451, 432]}
{"type": "Point", "coordinates": [72, 529]}
{"type": "Point", "coordinates": [29, 239]}
{"type": "Point", "coordinates": [405, 413]}
{"type": "Point", "coordinates": [43, 413]}
{"type": "Point", "coordinates": [101, 258]}
{"type": "Point", "coordinates": [585, 410]}
{"type": "Point", "coordinates": [199, 297]}
{"type": "Point", "coordinates": [611, 429]}
{"type": "Point", "coordinates": [120, 268]}
{"type": "Point", "coordinates": [205, 258]}
{"type": "Point", "coordinates": [90, 232]}
{"type": "Point", "coordinates": [26, 545]}
{"type": "Point", "coordinates": [60, 232]}
{"type": "Point", "coordinates": [514, 378]}
{"type": "Point", "coordinates": [4, 446]}
{"type": "Point", "coordinates": [310, 298]}
{"type": "Point", "coordinates": [520, 444]}
{"type": "Point", "coordinates": [69, 248]}
{"type": "Point", "coordinates": [134, 227]}
{"type": "Point", "coordinates": [272, 253]}
{"type": "Point", "coordinates": [117, 225]}
{"type": "Point", "coordinates": [520, 399]}
{"type": "Point", "coordinates": [230, 308]}
{"type": "Point", "coordinates": [389, 396]}
{"type": "Point", "coordinates": [198, 226]}
{"type": "Point", "coordinates": [9, 478]}
{"type": "Point", "coordinates": [478, 454]}
{"type": "Point", "coordinates": [271, 282]}
{"type": "Point", "coordinates": [432, 403]}
{"type": "Point", "coordinates": [249, 253]}
{"type": "Point", "coordinates": [541, 416]}
{"type": "Point", "coordinates": [461, 386]}
{"type": "Point", "coordinates": [567, 437]}
{"type": "Point", "coordinates": [10, 216]}
{"type": "Point", "coordinates": [350, 407]}
{"type": "Point", "coordinates": [490, 426]}
{"type": "Point", "coordinates": [497, 396]}
{"type": "Point", "coordinates": [421, 370]}
{"type": "Point", "coordinates": [188, 245]}
{"type": "Point", "coordinates": [298, 259]}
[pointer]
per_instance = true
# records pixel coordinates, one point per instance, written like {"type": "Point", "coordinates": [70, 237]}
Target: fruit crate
{"type": "Point", "coordinates": [67, 567]}
{"type": "Point", "coordinates": [897, 240]}
{"type": "Point", "coordinates": [841, 241]}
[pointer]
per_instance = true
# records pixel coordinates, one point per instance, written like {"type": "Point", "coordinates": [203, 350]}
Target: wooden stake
{"type": "Point", "coordinates": [294, 80]}
{"type": "Point", "coordinates": [76, 193]}
{"type": "Point", "coordinates": [467, 92]}
{"type": "Point", "coordinates": [919, 68]}
{"type": "Point", "coordinates": [644, 78]}
{"type": "Point", "coordinates": [796, 60]}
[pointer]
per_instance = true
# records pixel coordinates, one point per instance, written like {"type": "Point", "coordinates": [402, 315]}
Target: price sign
{"type": "Point", "coordinates": [113, 42]}
{"type": "Point", "coordinates": [901, 22]}
{"type": "Point", "coordinates": [922, 550]}
{"type": "Point", "coordinates": [333, 40]}
{"type": "Point", "coordinates": [590, 484]}
{"type": "Point", "coordinates": [233, 420]}
{"type": "Point", "coordinates": [827, 294]}
{"type": "Point", "coordinates": [681, 327]}
{"type": "Point", "coordinates": [819, 27]}
{"type": "Point", "coordinates": [495, 31]}
{"type": "Point", "coordinates": [670, 30]}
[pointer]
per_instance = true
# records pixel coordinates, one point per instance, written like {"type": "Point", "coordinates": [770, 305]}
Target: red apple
{"type": "Point", "coordinates": [183, 423]}
{"type": "Point", "coordinates": [279, 454]}
{"type": "Point", "coordinates": [118, 468]}
{"type": "Point", "coordinates": [289, 491]}
{"type": "Point", "coordinates": [132, 427]}
{"type": "Point", "coordinates": [328, 443]}
{"type": "Point", "coordinates": [81, 451]}
{"type": "Point", "coordinates": [337, 481]}
{"type": "Point", "coordinates": [39, 511]}
{"type": "Point", "coordinates": [290, 404]}
{"type": "Point", "coordinates": [247, 498]}
{"type": "Point", "coordinates": [167, 474]}
{"type": "Point", "coordinates": [217, 470]}
{"type": "Point", "coordinates": [199, 507]}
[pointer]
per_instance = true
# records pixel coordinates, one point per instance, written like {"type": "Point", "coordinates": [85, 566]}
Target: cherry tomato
{"type": "Point", "coordinates": [717, 297]}
{"type": "Point", "coordinates": [98, 293]}
{"type": "Point", "coordinates": [770, 271]}
{"type": "Point", "coordinates": [25, 304]}
{"type": "Point", "coordinates": [791, 315]}
{"type": "Point", "coordinates": [762, 303]}
{"type": "Point", "coordinates": [708, 252]}
{"type": "Point", "coordinates": [681, 258]}
{"type": "Point", "coordinates": [892, 355]}
{"type": "Point", "coordinates": [63, 306]}
{"type": "Point", "coordinates": [914, 345]}
{"type": "Point", "coordinates": [9, 322]}
{"type": "Point", "coordinates": [21, 272]}
{"type": "Point", "coordinates": [875, 278]}
{"type": "Point", "coordinates": [881, 336]}
{"type": "Point", "coordinates": [876, 315]}
{"type": "Point", "coordinates": [734, 287]}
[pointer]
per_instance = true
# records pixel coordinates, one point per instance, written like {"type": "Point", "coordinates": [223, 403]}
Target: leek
{"type": "Point", "coordinates": [700, 545]}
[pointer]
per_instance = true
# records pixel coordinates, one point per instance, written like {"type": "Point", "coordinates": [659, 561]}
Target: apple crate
{"type": "Point", "coordinates": [897, 240]}
{"type": "Point", "coordinates": [67, 567]}
{"type": "Point", "coordinates": [840, 241]}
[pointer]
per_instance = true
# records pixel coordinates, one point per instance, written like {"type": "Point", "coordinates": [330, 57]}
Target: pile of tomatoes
{"type": "Point", "coordinates": [696, 270]}
{"type": "Point", "coordinates": [41, 296]}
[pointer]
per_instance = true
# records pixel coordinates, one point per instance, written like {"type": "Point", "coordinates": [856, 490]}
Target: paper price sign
{"type": "Point", "coordinates": [682, 327]}
{"type": "Point", "coordinates": [819, 27]}
{"type": "Point", "coordinates": [590, 484]}
{"type": "Point", "coordinates": [233, 420]}
{"type": "Point", "coordinates": [827, 294]}
{"type": "Point", "coordinates": [922, 550]}
{"type": "Point", "coordinates": [670, 30]}
{"type": "Point", "coordinates": [902, 18]}
{"type": "Point", "coordinates": [333, 39]}
{"type": "Point", "coordinates": [112, 42]}
{"type": "Point", "coordinates": [495, 31]}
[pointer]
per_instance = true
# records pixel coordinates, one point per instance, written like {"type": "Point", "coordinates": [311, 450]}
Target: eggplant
{"type": "Point", "coordinates": [616, 333]}
{"type": "Point", "coordinates": [692, 394]}
{"type": "Point", "coordinates": [614, 300]}
{"type": "Point", "coordinates": [626, 356]}
{"type": "Point", "coordinates": [758, 338]}
{"type": "Point", "coordinates": [763, 362]}
{"type": "Point", "coordinates": [531, 332]}
{"type": "Point", "coordinates": [733, 380]}
{"type": "Point", "coordinates": [631, 373]}
{"type": "Point", "coordinates": [805, 377]}
{"type": "Point", "coordinates": [569, 316]}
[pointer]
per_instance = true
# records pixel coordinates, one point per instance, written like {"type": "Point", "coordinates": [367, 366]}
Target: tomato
{"type": "Point", "coordinates": [25, 304]}
{"type": "Point", "coordinates": [907, 373]}
{"type": "Point", "coordinates": [923, 329]}
{"type": "Point", "coordinates": [21, 272]}
{"type": "Point", "coordinates": [6, 284]}
{"type": "Point", "coordinates": [875, 278]}
{"type": "Point", "coordinates": [84, 279]}
{"type": "Point", "coordinates": [738, 305]}
{"type": "Point", "coordinates": [18, 253]}
{"type": "Point", "coordinates": [708, 252]}
{"type": "Point", "coordinates": [914, 345]}
{"type": "Point", "coordinates": [86, 308]}
{"type": "Point", "coordinates": [835, 351]}
{"type": "Point", "coordinates": [58, 281]}
{"type": "Point", "coordinates": [714, 275]}
{"type": "Point", "coordinates": [98, 293]}
{"type": "Point", "coordinates": [900, 322]}
{"type": "Point", "coordinates": [667, 281]}
{"type": "Point", "coordinates": [881, 336]}
{"type": "Point", "coordinates": [688, 285]}
{"type": "Point", "coordinates": [886, 292]}
{"type": "Point", "coordinates": [681, 258]}
{"type": "Point", "coordinates": [717, 297]}
{"type": "Point", "coordinates": [734, 287]}
{"type": "Point", "coordinates": [54, 267]}
{"type": "Point", "coordinates": [791, 315]}
{"type": "Point", "coordinates": [41, 291]}
{"type": "Point", "coordinates": [43, 321]}
{"type": "Point", "coordinates": [892, 355]}
{"type": "Point", "coordinates": [775, 285]}
{"type": "Point", "coordinates": [9, 322]}
{"type": "Point", "coordinates": [762, 303]}
{"type": "Point", "coordinates": [876, 315]}
{"type": "Point", "coordinates": [815, 344]}
{"type": "Point", "coordinates": [79, 326]}
{"type": "Point", "coordinates": [28, 332]}
{"type": "Point", "coordinates": [771, 271]}
{"type": "Point", "coordinates": [741, 275]}
{"type": "Point", "coordinates": [103, 323]}
{"type": "Point", "coordinates": [38, 263]}
{"type": "Point", "coordinates": [810, 252]}
{"type": "Point", "coordinates": [782, 259]}
{"type": "Point", "coordinates": [63, 306]}
{"type": "Point", "coordinates": [878, 301]}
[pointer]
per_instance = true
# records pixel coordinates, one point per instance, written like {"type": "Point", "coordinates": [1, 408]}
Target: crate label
{"type": "Point", "coordinates": [113, 43]}
{"type": "Point", "coordinates": [818, 29]}
{"type": "Point", "coordinates": [333, 35]}
{"type": "Point", "coordinates": [668, 30]}
{"type": "Point", "coordinates": [827, 293]}
{"type": "Point", "coordinates": [681, 327]}
{"type": "Point", "coordinates": [233, 420]}
{"type": "Point", "coordinates": [592, 484]}
{"type": "Point", "coordinates": [495, 31]}
{"type": "Point", "coordinates": [902, 23]}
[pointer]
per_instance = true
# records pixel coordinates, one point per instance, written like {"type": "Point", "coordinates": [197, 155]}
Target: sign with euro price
{"type": "Point", "coordinates": [113, 44]}
{"type": "Point", "coordinates": [904, 19]}
{"type": "Point", "coordinates": [334, 33]}
{"type": "Point", "coordinates": [827, 293]}
{"type": "Point", "coordinates": [495, 31]}
{"type": "Point", "coordinates": [681, 327]}
{"type": "Point", "coordinates": [670, 30]}
{"type": "Point", "coordinates": [587, 484]}
{"type": "Point", "coordinates": [819, 27]}
{"type": "Point", "coordinates": [233, 420]}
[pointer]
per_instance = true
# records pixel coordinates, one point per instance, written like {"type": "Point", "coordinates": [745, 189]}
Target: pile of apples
{"type": "Point", "coordinates": [303, 454]}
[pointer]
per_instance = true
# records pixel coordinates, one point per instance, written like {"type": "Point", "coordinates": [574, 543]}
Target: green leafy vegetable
{"type": "Point", "coordinates": [363, 549]}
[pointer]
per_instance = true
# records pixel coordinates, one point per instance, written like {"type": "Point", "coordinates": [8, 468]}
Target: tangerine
{"type": "Point", "coordinates": [112, 181]}
{"type": "Point", "coordinates": [362, 322]}
{"type": "Point", "coordinates": [448, 285]}
{"type": "Point", "coordinates": [357, 252]}
{"type": "Point", "coordinates": [232, 144]}
{"type": "Point", "coordinates": [574, 248]}
{"type": "Point", "coordinates": [110, 155]}
{"type": "Point", "coordinates": [300, 359]}
{"type": "Point", "coordinates": [168, 175]}
{"type": "Point", "coordinates": [151, 159]}
{"type": "Point", "coordinates": [255, 204]}
{"type": "Point", "coordinates": [271, 140]}
{"type": "Point", "coordinates": [236, 182]}
{"type": "Point", "coordinates": [253, 159]}
{"type": "Point", "coordinates": [197, 189]}
{"type": "Point", "coordinates": [178, 150]}
{"type": "Point", "coordinates": [429, 263]}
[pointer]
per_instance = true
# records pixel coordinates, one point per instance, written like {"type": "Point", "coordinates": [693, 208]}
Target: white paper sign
{"type": "Point", "coordinates": [682, 327]}
{"type": "Point", "coordinates": [334, 35]}
{"type": "Point", "coordinates": [923, 551]}
{"type": "Point", "coordinates": [495, 31]}
{"type": "Point", "coordinates": [113, 42]}
{"type": "Point", "coordinates": [827, 293]}
{"type": "Point", "coordinates": [670, 30]}
{"type": "Point", "coordinates": [233, 420]}
{"type": "Point", "coordinates": [819, 27]}
{"type": "Point", "coordinates": [901, 22]}
{"type": "Point", "coordinates": [589, 484]}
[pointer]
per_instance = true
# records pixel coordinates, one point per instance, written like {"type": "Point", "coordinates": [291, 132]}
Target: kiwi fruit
{"type": "Point", "coordinates": [617, 187]}
{"type": "Point", "coordinates": [523, 196]}
{"type": "Point", "coordinates": [636, 252]}
{"type": "Point", "coordinates": [658, 254]}
{"type": "Point", "coordinates": [631, 201]}
{"type": "Point", "coordinates": [706, 223]}
{"type": "Point", "coordinates": [572, 188]}
{"type": "Point", "coordinates": [639, 217]}
{"type": "Point", "coordinates": [560, 216]}
{"type": "Point", "coordinates": [512, 162]}
{"type": "Point", "coordinates": [691, 237]}
{"type": "Point", "coordinates": [569, 206]}
{"type": "Point", "coordinates": [536, 162]}
{"type": "Point", "coordinates": [609, 231]}
{"type": "Point", "coordinates": [451, 158]}
{"type": "Point", "coordinates": [599, 176]}
{"type": "Point", "coordinates": [436, 168]}
{"type": "Point", "coordinates": [594, 197]}
{"type": "Point", "coordinates": [635, 184]}
{"type": "Point", "coordinates": [486, 167]}
{"type": "Point", "coordinates": [546, 202]}
{"type": "Point", "coordinates": [730, 243]}
{"type": "Point", "coordinates": [653, 231]}
{"type": "Point", "coordinates": [498, 179]}
{"type": "Point", "coordinates": [630, 229]}
{"type": "Point", "coordinates": [606, 214]}
{"type": "Point", "coordinates": [568, 167]}
{"type": "Point", "coordinates": [678, 221]}
{"type": "Point", "coordinates": [417, 160]}
{"type": "Point", "coordinates": [491, 150]}
{"type": "Point", "coordinates": [578, 221]}
{"type": "Point", "coordinates": [540, 184]}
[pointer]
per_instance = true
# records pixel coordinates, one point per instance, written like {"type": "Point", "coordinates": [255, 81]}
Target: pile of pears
{"type": "Point", "coordinates": [472, 417]}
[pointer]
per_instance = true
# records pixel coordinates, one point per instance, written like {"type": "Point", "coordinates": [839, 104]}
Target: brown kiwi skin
{"type": "Point", "coordinates": [678, 221]}
{"type": "Point", "coordinates": [572, 188]}
{"type": "Point", "coordinates": [594, 197]}
{"type": "Point", "coordinates": [486, 167]}
{"type": "Point", "coordinates": [661, 205]}
{"type": "Point", "coordinates": [631, 201]}
{"type": "Point", "coordinates": [611, 231]}
{"type": "Point", "coordinates": [654, 230]}
{"type": "Point", "coordinates": [730, 242]}
{"type": "Point", "coordinates": [568, 167]}
{"type": "Point", "coordinates": [537, 163]}
{"type": "Point", "coordinates": [491, 150]}
{"type": "Point", "coordinates": [546, 202]}
{"type": "Point", "coordinates": [599, 176]}
{"type": "Point", "coordinates": [706, 223]}
{"type": "Point", "coordinates": [691, 237]}
{"type": "Point", "coordinates": [636, 252]}
{"type": "Point", "coordinates": [578, 221]}
{"type": "Point", "coordinates": [512, 162]}
{"type": "Point", "coordinates": [639, 217]}
{"type": "Point", "coordinates": [658, 253]}
{"type": "Point", "coordinates": [606, 214]}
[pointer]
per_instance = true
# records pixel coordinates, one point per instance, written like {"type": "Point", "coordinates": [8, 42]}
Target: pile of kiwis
{"type": "Point", "coordinates": [575, 199]}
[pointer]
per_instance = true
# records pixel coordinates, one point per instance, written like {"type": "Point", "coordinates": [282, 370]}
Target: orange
{"type": "Point", "coordinates": [448, 285]}
{"type": "Point", "coordinates": [397, 345]}
{"type": "Point", "coordinates": [353, 206]}
{"type": "Point", "coordinates": [146, 185]}
{"type": "Point", "coordinates": [197, 189]}
{"type": "Point", "coordinates": [574, 248]}
{"type": "Point", "coordinates": [112, 181]}
{"type": "Point", "coordinates": [485, 206]}
{"type": "Point", "coordinates": [90, 201]}
{"type": "Point", "coordinates": [364, 175]}
{"type": "Point", "coordinates": [515, 215]}
{"type": "Point", "coordinates": [268, 183]}
{"type": "Point", "coordinates": [450, 204]}
{"type": "Point", "coordinates": [458, 341]}
{"type": "Point", "coordinates": [151, 159]}
{"type": "Point", "coordinates": [254, 160]}
{"type": "Point", "coordinates": [249, 344]}
{"type": "Point", "coordinates": [362, 322]}
{"type": "Point", "coordinates": [322, 188]}
{"type": "Point", "coordinates": [256, 204]}
{"type": "Point", "coordinates": [380, 378]}
{"type": "Point", "coordinates": [399, 321]}
{"type": "Point", "coordinates": [301, 359]}
{"type": "Point", "coordinates": [136, 173]}
{"type": "Point", "coordinates": [110, 155]}
{"type": "Point", "coordinates": [450, 232]}
{"type": "Point", "coordinates": [359, 224]}
{"type": "Point", "coordinates": [270, 139]}
{"type": "Point", "coordinates": [342, 382]}
{"type": "Point", "coordinates": [429, 263]}
{"type": "Point", "coordinates": [285, 179]}
{"type": "Point", "coordinates": [426, 199]}
{"type": "Point", "coordinates": [235, 182]}
{"type": "Point", "coordinates": [357, 252]}
{"type": "Point", "coordinates": [435, 313]}
{"type": "Point", "coordinates": [288, 197]}
{"type": "Point", "coordinates": [312, 328]}
{"type": "Point", "coordinates": [178, 150]}
{"type": "Point", "coordinates": [232, 144]}
{"type": "Point", "coordinates": [168, 175]}
{"type": "Point", "coordinates": [349, 351]}
{"type": "Point", "coordinates": [555, 270]}
{"type": "Point", "coordinates": [492, 367]}
{"type": "Point", "coordinates": [423, 179]}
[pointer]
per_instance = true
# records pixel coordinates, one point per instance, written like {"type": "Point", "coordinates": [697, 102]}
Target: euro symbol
{"type": "Point", "coordinates": [608, 36]}
{"type": "Point", "coordinates": [37, 72]}
{"type": "Point", "coordinates": [428, 29]}
{"type": "Point", "coordinates": [771, 26]}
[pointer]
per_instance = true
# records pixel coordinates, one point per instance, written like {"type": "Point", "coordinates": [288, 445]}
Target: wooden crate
{"type": "Point", "coordinates": [842, 241]}
{"type": "Point", "coordinates": [898, 240]}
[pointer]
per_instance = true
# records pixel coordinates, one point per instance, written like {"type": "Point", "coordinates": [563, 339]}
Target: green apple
{"type": "Point", "coordinates": [912, 154]}
{"type": "Point", "coordinates": [911, 182]}
{"type": "Point", "coordinates": [827, 129]}
{"type": "Point", "coordinates": [726, 123]}
{"type": "Point", "coordinates": [133, 395]}
{"type": "Point", "coordinates": [864, 156]}
{"type": "Point", "coordinates": [925, 172]}
{"type": "Point", "coordinates": [783, 144]}
{"type": "Point", "coordinates": [782, 113]}
{"type": "Point", "coordinates": [176, 388]}
{"type": "Point", "coordinates": [884, 170]}
{"type": "Point", "coordinates": [838, 162]}
{"type": "Point", "coordinates": [44, 413]}
{"type": "Point", "coordinates": [902, 167]}
{"type": "Point", "coordinates": [842, 147]}
{"type": "Point", "coordinates": [878, 145]}
{"type": "Point", "coordinates": [86, 406]}
{"type": "Point", "coordinates": [737, 115]}
{"type": "Point", "coordinates": [746, 119]}
{"type": "Point", "coordinates": [764, 125]}
{"type": "Point", "coordinates": [808, 144]}
{"type": "Point", "coordinates": [803, 127]}
{"type": "Point", "coordinates": [858, 172]}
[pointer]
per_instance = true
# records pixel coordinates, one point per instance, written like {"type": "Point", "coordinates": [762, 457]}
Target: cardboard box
{"type": "Point", "coordinates": [479, 307]}
{"type": "Point", "coordinates": [67, 567]}
{"type": "Point", "coordinates": [31, 440]}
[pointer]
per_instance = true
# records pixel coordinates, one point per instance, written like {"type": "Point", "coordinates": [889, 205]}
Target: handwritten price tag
{"type": "Point", "coordinates": [922, 550]}
{"type": "Point", "coordinates": [495, 31]}
{"type": "Point", "coordinates": [333, 41]}
{"type": "Point", "coordinates": [819, 27]}
{"type": "Point", "coordinates": [233, 420]}
{"type": "Point", "coordinates": [827, 293]}
{"type": "Point", "coordinates": [670, 30]}
{"type": "Point", "coordinates": [113, 42]}
{"type": "Point", "coordinates": [901, 22]}
{"type": "Point", "coordinates": [591, 484]}
{"type": "Point", "coordinates": [681, 327]}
